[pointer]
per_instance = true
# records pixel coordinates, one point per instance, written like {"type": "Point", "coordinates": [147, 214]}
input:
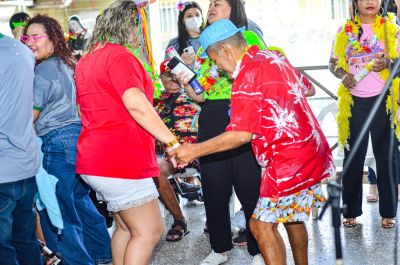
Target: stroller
{"type": "Point", "coordinates": [196, 194]}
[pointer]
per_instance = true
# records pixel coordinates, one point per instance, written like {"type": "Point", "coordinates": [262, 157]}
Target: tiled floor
{"type": "Point", "coordinates": [365, 244]}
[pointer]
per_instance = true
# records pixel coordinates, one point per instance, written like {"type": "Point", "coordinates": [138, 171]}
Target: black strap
{"type": "Point", "coordinates": [169, 103]}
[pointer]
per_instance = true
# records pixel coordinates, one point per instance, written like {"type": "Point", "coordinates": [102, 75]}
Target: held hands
{"type": "Point", "coordinates": [183, 154]}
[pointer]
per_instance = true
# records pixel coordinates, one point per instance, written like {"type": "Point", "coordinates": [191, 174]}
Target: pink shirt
{"type": "Point", "coordinates": [372, 84]}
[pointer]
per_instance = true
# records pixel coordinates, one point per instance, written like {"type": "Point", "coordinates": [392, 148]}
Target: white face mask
{"type": "Point", "coordinates": [193, 23]}
{"type": "Point", "coordinates": [237, 70]}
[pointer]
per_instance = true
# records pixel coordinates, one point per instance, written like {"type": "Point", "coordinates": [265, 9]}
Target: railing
{"type": "Point", "coordinates": [303, 70]}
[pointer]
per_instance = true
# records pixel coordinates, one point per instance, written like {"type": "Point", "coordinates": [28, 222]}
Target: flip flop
{"type": "Point", "coordinates": [177, 231]}
{"type": "Point", "coordinates": [388, 223]}
{"type": "Point", "coordinates": [372, 197]}
{"type": "Point", "coordinates": [349, 222]}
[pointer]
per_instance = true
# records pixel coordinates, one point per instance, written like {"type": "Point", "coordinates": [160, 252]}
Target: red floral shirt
{"type": "Point", "coordinates": [268, 100]}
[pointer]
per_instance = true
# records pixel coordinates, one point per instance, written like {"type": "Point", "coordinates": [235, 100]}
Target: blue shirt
{"type": "Point", "coordinates": [54, 95]}
{"type": "Point", "coordinates": [18, 151]}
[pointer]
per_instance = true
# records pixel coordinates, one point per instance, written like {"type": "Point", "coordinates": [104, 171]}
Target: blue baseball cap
{"type": "Point", "coordinates": [217, 31]}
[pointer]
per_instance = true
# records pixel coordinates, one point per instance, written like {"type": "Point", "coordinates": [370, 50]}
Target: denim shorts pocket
{"type": "Point", "coordinates": [70, 150]}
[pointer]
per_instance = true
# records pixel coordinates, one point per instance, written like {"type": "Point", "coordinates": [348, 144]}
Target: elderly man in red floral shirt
{"type": "Point", "coordinates": [269, 109]}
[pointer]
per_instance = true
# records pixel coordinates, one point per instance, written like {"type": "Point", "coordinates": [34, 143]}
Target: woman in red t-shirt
{"type": "Point", "coordinates": [116, 151]}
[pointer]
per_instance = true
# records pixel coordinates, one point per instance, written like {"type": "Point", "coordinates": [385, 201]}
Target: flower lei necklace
{"type": "Point", "coordinates": [210, 75]}
{"type": "Point", "coordinates": [352, 30]}
{"type": "Point", "coordinates": [385, 30]}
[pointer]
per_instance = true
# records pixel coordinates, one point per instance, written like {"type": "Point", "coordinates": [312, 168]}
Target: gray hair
{"type": "Point", "coordinates": [238, 41]}
{"type": "Point", "coordinates": [116, 24]}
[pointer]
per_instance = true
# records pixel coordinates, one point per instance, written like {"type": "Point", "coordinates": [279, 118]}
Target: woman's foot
{"type": "Point", "coordinates": [388, 222]}
{"type": "Point", "coordinates": [349, 222]}
{"type": "Point", "coordinates": [373, 193]}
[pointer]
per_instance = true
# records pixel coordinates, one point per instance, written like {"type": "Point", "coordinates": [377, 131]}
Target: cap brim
{"type": "Point", "coordinates": [204, 54]}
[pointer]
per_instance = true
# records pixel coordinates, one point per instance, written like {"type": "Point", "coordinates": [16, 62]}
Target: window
{"type": "Point", "coordinates": [168, 17]}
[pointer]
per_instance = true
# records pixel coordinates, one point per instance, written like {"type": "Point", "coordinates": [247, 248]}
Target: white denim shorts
{"type": "Point", "coordinates": [122, 194]}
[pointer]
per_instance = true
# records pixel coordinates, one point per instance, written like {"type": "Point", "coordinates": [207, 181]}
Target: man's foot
{"type": "Point", "coordinates": [258, 260]}
{"type": "Point", "coordinates": [214, 259]}
{"type": "Point", "coordinates": [177, 231]}
{"type": "Point", "coordinates": [241, 239]}
{"type": "Point", "coordinates": [186, 187]}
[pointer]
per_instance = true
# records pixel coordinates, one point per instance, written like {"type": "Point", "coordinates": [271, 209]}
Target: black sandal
{"type": "Point", "coordinates": [179, 229]}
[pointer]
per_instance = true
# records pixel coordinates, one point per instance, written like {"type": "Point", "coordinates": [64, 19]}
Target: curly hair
{"type": "Point", "coordinates": [56, 36]}
{"type": "Point", "coordinates": [116, 24]}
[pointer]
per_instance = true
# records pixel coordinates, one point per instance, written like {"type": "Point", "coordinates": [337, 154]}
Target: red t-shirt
{"type": "Point", "coordinates": [111, 143]}
{"type": "Point", "coordinates": [268, 100]}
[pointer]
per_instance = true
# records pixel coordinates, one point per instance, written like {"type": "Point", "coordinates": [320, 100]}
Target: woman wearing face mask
{"type": "Point", "coordinates": [190, 25]}
{"type": "Point", "coordinates": [238, 167]}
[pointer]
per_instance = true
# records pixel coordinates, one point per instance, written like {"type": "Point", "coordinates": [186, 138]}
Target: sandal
{"type": "Point", "coordinates": [372, 197]}
{"type": "Point", "coordinates": [349, 222]}
{"type": "Point", "coordinates": [388, 222]}
{"type": "Point", "coordinates": [177, 231]}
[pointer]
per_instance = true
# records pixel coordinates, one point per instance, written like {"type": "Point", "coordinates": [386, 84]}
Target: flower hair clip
{"type": "Point", "coordinates": [180, 5]}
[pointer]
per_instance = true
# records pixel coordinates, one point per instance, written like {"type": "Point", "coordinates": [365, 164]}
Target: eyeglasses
{"type": "Point", "coordinates": [34, 39]}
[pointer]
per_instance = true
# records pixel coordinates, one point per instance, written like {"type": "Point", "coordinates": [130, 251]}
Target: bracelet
{"type": "Point", "coordinates": [172, 143]}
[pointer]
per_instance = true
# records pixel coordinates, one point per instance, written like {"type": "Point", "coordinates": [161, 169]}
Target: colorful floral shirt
{"type": "Point", "coordinates": [216, 83]}
{"type": "Point", "coordinates": [180, 116]}
{"type": "Point", "coordinates": [288, 143]}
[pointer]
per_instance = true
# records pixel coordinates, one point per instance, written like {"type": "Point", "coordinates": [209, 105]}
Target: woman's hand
{"type": "Point", "coordinates": [188, 57]}
{"type": "Point", "coordinates": [183, 78]}
{"type": "Point", "coordinates": [349, 82]}
{"type": "Point", "coordinates": [380, 63]}
{"type": "Point", "coordinates": [184, 154]}
{"type": "Point", "coordinates": [398, 115]}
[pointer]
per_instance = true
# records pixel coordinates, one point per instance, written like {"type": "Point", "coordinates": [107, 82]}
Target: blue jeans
{"type": "Point", "coordinates": [84, 240]}
{"type": "Point", "coordinates": [18, 244]}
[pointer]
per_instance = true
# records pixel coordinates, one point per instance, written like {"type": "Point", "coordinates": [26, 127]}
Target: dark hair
{"type": "Point", "coordinates": [355, 13]}
{"type": "Point", "coordinates": [55, 35]}
{"type": "Point", "coordinates": [238, 13]}
{"type": "Point", "coordinates": [183, 35]}
{"type": "Point", "coordinates": [18, 17]}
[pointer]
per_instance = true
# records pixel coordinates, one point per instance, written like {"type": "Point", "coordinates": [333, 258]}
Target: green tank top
{"type": "Point", "coordinates": [216, 84]}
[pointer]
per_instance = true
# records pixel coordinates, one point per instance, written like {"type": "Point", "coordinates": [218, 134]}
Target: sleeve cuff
{"type": "Point", "coordinates": [37, 108]}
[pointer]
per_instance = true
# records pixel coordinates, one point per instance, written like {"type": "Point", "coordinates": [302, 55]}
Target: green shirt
{"type": "Point", "coordinates": [216, 84]}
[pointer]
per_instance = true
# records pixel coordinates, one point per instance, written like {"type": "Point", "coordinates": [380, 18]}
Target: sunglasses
{"type": "Point", "coordinates": [34, 39]}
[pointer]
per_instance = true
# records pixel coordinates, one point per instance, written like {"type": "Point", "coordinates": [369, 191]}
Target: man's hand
{"type": "Point", "coordinates": [349, 82]}
{"type": "Point", "coordinates": [184, 153]}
